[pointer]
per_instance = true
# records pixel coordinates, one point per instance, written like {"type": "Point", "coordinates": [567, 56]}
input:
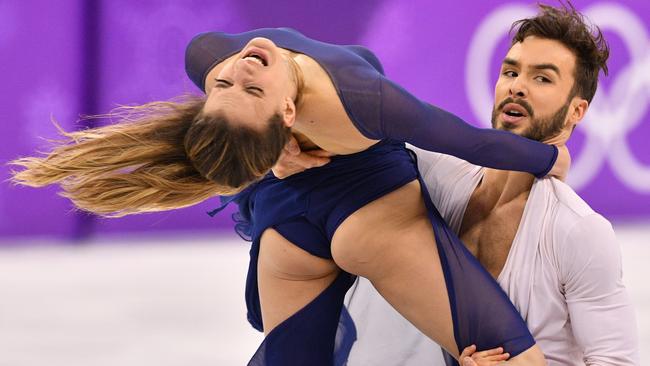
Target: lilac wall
{"type": "Point", "coordinates": [72, 57]}
{"type": "Point", "coordinates": [41, 48]}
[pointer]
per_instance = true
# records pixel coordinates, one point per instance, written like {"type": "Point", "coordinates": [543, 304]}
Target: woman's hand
{"type": "Point", "coordinates": [562, 164]}
{"type": "Point", "coordinates": [293, 160]}
{"type": "Point", "coordinates": [494, 356]}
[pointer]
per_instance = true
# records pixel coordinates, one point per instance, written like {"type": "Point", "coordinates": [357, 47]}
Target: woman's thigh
{"type": "Point", "coordinates": [288, 278]}
{"type": "Point", "coordinates": [391, 242]}
{"type": "Point", "coordinates": [360, 243]}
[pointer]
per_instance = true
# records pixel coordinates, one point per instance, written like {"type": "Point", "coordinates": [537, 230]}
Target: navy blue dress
{"type": "Point", "coordinates": [307, 208]}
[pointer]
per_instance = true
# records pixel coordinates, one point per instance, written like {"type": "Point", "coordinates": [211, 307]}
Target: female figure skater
{"type": "Point", "coordinates": [364, 213]}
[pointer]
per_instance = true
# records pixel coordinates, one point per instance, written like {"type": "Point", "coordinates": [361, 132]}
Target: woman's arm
{"type": "Point", "coordinates": [406, 118]}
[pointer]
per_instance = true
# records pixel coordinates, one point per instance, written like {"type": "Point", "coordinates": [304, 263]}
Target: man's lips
{"type": "Point", "coordinates": [513, 113]}
{"type": "Point", "coordinates": [515, 109]}
{"type": "Point", "coordinates": [512, 120]}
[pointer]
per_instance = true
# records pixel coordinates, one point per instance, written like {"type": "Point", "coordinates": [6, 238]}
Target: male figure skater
{"type": "Point", "coordinates": [555, 257]}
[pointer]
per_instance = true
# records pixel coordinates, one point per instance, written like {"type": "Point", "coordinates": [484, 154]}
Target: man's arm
{"type": "Point", "coordinates": [601, 314]}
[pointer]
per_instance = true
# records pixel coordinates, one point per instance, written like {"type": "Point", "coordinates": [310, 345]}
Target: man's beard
{"type": "Point", "coordinates": [539, 129]}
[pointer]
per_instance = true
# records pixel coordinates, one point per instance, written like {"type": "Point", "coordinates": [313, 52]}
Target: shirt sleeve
{"type": "Point", "coordinates": [449, 181]}
{"type": "Point", "coordinates": [406, 118]}
{"type": "Point", "coordinates": [601, 314]}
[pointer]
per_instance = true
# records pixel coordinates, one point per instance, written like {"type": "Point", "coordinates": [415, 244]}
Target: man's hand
{"type": "Point", "coordinates": [293, 160]}
{"type": "Point", "coordinates": [562, 164]}
{"type": "Point", "coordinates": [491, 357]}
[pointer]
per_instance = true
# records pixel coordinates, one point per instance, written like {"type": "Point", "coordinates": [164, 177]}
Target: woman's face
{"type": "Point", "coordinates": [253, 85]}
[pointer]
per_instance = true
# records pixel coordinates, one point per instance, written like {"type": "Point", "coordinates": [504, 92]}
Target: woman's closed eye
{"type": "Point", "coordinates": [222, 83]}
{"type": "Point", "coordinates": [251, 89]}
{"type": "Point", "coordinates": [257, 91]}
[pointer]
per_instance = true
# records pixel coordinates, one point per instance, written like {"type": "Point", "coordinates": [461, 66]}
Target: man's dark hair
{"type": "Point", "coordinates": [568, 26]}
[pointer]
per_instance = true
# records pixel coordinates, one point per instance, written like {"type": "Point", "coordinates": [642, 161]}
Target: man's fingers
{"type": "Point", "coordinates": [293, 160]}
{"type": "Point", "coordinates": [292, 146]}
{"type": "Point", "coordinates": [495, 358]}
{"type": "Point", "coordinates": [468, 351]}
{"type": "Point", "coordinates": [293, 164]}
{"type": "Point", "coordinates": [490, 352]}
{"type": "Point", "coordinates": [467, 361]}
{"type": "Point", "coordinates": [308, 161]}
{"type": "Point", "coordinates": [287, 168]}
{"type": "Point", "coordinates": [320, 153]}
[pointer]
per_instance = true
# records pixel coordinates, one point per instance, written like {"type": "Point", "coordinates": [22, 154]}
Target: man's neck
{"type": "Point", "coordinates": [499, 187]}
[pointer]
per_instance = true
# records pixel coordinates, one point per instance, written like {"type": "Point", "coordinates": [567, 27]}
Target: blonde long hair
{"type": "Point", "coordinates": [158, 156]}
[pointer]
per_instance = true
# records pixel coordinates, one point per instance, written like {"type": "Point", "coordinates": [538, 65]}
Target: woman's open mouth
{"type": "Point", "coordinates": [257, 58]}
{"type": "Point", "coordinates": [257, 55]}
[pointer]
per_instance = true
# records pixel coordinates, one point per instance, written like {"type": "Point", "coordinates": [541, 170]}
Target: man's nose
{"type": "Point", "coordinates": [518, 88]}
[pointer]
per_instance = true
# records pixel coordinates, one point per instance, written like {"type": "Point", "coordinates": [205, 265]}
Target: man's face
{"type": "Point", "coordinates": [532, 94]}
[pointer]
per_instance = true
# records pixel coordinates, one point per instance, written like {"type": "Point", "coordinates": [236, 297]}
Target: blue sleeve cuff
{"type": "Point", "coordinates": [550, 165]}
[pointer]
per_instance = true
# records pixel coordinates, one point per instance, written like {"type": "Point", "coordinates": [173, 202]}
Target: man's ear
{"type": "Point", "coordinates": [289, 112]}
{"type": "Point", "coordinates": [577, 110]}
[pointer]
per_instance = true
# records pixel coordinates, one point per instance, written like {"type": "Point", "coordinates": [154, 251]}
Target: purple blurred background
{"type": "Point", "coordinates": [72, 57]}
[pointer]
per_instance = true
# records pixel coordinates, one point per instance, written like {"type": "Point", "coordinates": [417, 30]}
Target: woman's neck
{"type": "Point", "coordinates": [299, 80]}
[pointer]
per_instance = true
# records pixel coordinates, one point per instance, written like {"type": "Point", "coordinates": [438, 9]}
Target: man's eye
{"type": "Point", "coordinates": [509, 73]}
{"type": "Point", "coordinates": [543, 79]}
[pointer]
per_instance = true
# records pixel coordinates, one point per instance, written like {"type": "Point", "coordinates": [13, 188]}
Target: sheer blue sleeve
{"type": "Point", "coordinates": [207, 50]}
{"type": "Point", "coordinates": [406, 118]}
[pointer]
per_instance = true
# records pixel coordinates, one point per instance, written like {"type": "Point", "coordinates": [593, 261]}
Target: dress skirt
{"type": "Point", "coordinates": [308, 207]}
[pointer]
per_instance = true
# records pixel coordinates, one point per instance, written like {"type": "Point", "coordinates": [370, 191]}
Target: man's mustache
{"type": "Point", "coordinates": [522, 103]}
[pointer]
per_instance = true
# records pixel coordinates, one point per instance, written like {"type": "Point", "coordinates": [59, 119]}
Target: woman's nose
{"type": "Point", "coordinates": [244, 66]}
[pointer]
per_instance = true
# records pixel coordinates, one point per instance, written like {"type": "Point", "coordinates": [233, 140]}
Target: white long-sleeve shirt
{"type": "Point", "coordinates": [563, 274]}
